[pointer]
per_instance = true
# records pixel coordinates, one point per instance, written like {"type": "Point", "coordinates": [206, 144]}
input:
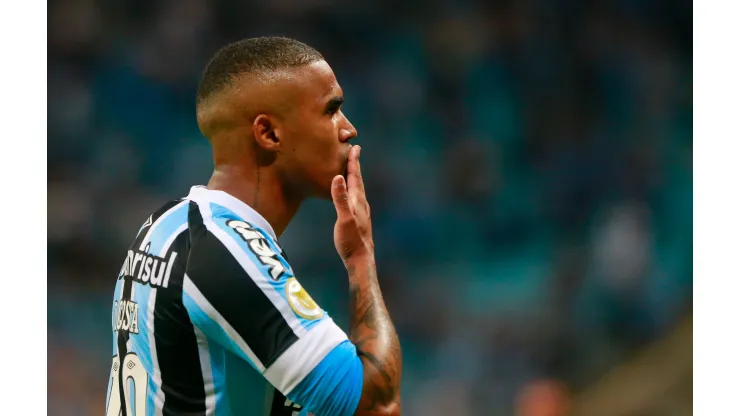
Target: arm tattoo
{"type": "Point", "coordinates": [376, 340]}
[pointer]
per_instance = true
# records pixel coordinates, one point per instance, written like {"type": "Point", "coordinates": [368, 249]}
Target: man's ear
{"type": "Point", "coordinates": [266, 132]}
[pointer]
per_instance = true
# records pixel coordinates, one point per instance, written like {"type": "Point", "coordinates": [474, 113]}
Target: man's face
{"type": "Point", "coordinates": [315, 135]}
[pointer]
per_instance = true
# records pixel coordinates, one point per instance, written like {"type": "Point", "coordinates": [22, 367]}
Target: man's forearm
{"type": "Point", "coordinates": [372, 332]}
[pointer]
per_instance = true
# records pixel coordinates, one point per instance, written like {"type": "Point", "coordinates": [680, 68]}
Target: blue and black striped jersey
{"type": "Point", "coordinates": [205, 298]}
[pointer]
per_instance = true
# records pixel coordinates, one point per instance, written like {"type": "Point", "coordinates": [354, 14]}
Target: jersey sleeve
{"type": "Point", "coordinates": [241, 293]}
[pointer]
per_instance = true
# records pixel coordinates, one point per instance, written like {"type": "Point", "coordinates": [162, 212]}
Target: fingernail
{"type": "Point", "coordinates": [359, 149]}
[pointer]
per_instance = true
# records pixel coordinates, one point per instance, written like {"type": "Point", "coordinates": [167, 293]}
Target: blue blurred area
{"type": "Point", "coordinates": [529, 166]}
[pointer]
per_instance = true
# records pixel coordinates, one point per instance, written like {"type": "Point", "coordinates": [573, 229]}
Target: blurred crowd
{"type": "Point", "coordinates": [528, 163]}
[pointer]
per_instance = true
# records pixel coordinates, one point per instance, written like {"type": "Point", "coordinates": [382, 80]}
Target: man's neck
{"type": "Point", "coordinates": [261, 190]}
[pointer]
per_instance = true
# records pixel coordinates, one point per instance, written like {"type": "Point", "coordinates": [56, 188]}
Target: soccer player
{"type": "Point", "coordinates": [206, 295]}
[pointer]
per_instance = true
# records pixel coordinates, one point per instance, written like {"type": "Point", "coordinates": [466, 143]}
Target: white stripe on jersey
{"type": "Point", "coordinates": [304, 355]}
{"type": "Point", "coordinates": [157, 373]}
{"type": "Point", "coordinates": [160, 219]}
{"type": "Point", "coordinates": [205, 367]}
{"type": "Point", "coordinates": [189, 288]}
{"type": "Point", "coordinates": [248, 265]}
{"type": "Point", "coordinates": [172, 238]}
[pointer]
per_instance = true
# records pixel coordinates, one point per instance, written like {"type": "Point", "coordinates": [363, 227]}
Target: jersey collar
{"type": "Point", "coordinates": [200, 193]}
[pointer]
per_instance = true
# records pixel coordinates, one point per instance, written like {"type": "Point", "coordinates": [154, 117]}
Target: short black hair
{"type": "Point", "coordinates": [252, 55]}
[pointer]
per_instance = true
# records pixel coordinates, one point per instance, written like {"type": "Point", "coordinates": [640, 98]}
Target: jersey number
{"type": "Point", "coordinates": [295, 407]}
{"type": "Point", "coordinates": [134, 370]}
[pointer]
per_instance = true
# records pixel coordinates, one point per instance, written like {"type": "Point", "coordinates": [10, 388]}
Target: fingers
{"type": "Point", "coordinates": [361, 183]}
{"type": "Point", "coordinates": [340, 196]}
{"type": "Point", "coordinates": [354, 174]}
{"type": "Point", "coordinates": [352, 167]}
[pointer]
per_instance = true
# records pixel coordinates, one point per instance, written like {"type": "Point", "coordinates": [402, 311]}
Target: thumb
{"type": "Point", "coordinates": [340, 196]}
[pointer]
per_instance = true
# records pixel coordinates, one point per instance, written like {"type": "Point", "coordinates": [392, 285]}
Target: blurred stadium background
{"type": "Point", "coordinates": [529, 166]}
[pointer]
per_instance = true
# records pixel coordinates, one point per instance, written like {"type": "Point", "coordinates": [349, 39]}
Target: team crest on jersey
{"type": "Point", "coordinates": [300, 301]}
{"type": "Point", "coordinates": [260, 247]}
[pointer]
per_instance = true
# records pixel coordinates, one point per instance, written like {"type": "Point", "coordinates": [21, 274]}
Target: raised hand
{"type": "Point", "coordinates": [353, 234]}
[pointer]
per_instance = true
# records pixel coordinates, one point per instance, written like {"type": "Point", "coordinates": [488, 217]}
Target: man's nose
{"type": "Point", "coordinates": [347, 132]}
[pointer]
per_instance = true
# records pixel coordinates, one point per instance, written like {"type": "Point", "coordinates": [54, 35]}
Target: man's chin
{"type": "Point", "coordinates": [326, 196]}
{"type": "Point", "coordinates": [324, 192]}
{"type": "Point", "coordinates": [320, 191]}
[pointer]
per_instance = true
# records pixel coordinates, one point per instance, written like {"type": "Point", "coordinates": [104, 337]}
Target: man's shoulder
{"type": "Point", "coordinates": [228, 225]}
{"type": "Point", "coordinates": [243, 225]}
{"type": "Point", "coordinates": [242, 238]}
{"type": "Point", "coordinates": [221, 211]}
{"type": "Point", "coordinates": [172, 213]}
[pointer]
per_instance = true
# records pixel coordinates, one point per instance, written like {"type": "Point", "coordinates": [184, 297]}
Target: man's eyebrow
{"type": "Point", "coordinates": [334, 103]}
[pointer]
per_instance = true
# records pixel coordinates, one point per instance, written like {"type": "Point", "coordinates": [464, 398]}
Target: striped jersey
{"type": "Point", "coordinates": [204, 299]}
